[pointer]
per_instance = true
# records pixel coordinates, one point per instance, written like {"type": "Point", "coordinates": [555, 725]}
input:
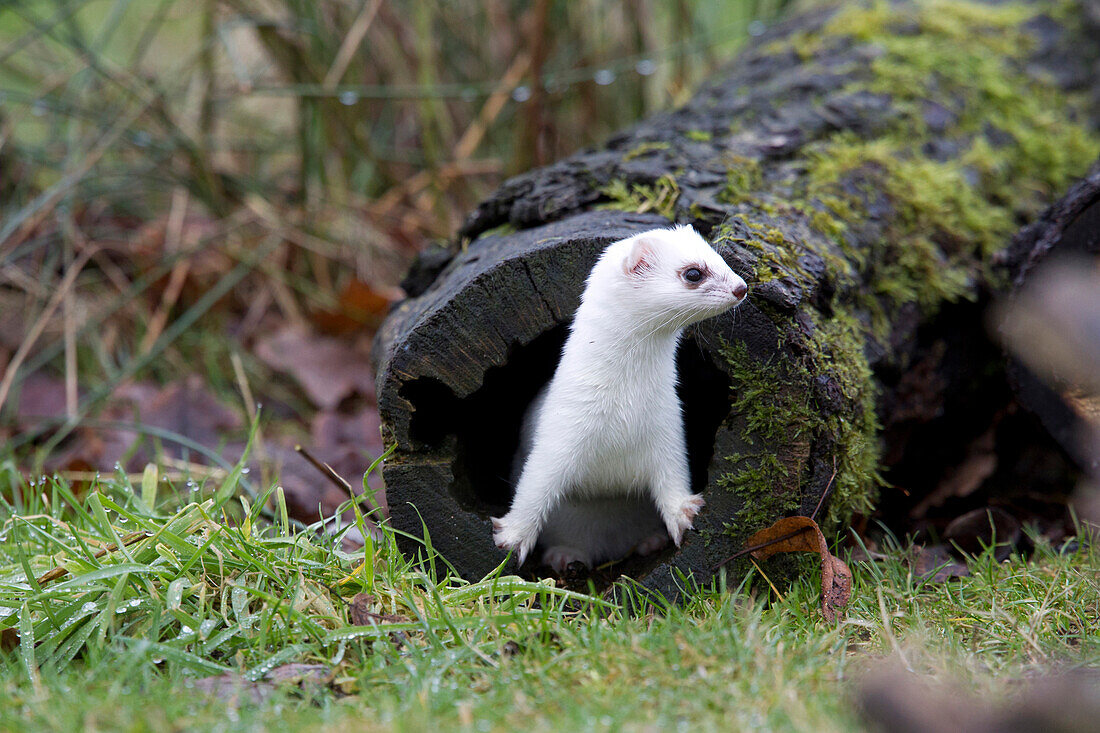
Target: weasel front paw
{"type": "Point", "coordinates": [682, 516]}
{"type": "Point", "coordinates": [559, 557]}
{"type": "Point", "coordinates": [508, 536]}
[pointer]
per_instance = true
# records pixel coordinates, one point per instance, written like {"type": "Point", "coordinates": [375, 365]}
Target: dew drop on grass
{"type": "Point", "coordinates": [88, 607]}
{"type": "Point", "coordinates": [521, 93]}
{"type": "Point", "coordinates": [757, 28]}
{"type": "Point", "coordinates": [348, 98]}
{"type": "Point", "coordinates": [645, 67]}
{"type": "Point", "coordinates": [206, 627]}
{"type": "Point", "coordinates": [603, 77]}
{"type": "Point", "coordinates": [246, 469]}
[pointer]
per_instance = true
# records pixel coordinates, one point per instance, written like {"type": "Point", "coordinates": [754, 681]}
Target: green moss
{"type": "Point", "coordinates": [950, 216]}
{"type": "Point", "coordinates": [775, 400]}
{"type": "Point", "coordinates": [645, 149]}
{"type": "Point", "coordinates": [699, 136]}
{"type": "Point", "coordinates": [777, 412]}
{"type": "Point", "coordinates": [837, 353]}
{"type": "Point", "coordinates": [775, 257]}
{"type": "Point", "coordinates": [499, 231]}
{"type": "Point", "coordinates": [661, 197]}
{"type": "Point", "coordinates": [914, 215]}
{"type": "Point", "coordinates": [742, 178]}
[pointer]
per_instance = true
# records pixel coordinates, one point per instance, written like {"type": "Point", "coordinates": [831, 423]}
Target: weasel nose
{"type": "Point", "coordinates": [740, 289]}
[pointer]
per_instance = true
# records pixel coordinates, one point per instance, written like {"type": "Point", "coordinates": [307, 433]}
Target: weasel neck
{"type": "Point", "coordinates": [626, 343]}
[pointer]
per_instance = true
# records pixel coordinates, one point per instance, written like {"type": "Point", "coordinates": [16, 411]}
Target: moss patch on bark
{"type": "Point", "coordinates": [910, 214]}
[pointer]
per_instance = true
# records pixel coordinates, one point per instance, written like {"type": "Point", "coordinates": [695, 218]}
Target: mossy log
{"type": "Point", "coordinates": [864, 169]}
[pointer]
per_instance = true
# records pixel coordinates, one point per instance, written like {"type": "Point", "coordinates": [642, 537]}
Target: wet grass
{"type": "Point", "coordinates": [201, 584]}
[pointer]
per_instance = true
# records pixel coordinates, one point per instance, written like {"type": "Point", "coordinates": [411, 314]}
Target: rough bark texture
{"type": "Point", "coordinates": [863, 169]}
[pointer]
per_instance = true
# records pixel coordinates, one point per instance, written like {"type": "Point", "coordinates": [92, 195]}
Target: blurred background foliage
{"type": "Point", "coordinates": [179, 178]}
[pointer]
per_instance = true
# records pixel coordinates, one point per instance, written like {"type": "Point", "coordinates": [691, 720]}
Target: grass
{"type": "Point", "coordinates": [120, 640]}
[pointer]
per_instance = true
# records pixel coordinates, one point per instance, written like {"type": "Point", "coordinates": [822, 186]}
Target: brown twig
{"type": "Point", "coordinates": [465, 147]}
{"type": "Point", "coordinates": [173, 236]}
{"type": "Point", "coordinates": [355, 36]}
{"type": "Point", "coordinates": [61, 572]}
{"type": "Point", "coordinates": [825, 493]}
{"type": "Point", "coordinates": [253, 413]}
{"type": "Point", "coordinates": [326, 469]}
{"type": "Point", "coordinates": [40, 325]}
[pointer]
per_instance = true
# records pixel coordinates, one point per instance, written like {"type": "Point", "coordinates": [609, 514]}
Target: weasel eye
{"type": "Point", "coordinates": [693, 275]}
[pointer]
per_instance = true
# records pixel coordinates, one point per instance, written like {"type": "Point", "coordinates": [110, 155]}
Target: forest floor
{"type": "Point", "coordinates": [265, 626]}
{"type": "Point", "coordinates": [199, 235]}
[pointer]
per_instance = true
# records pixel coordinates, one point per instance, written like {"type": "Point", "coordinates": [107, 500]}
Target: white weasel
{"type": "Point", "coordinates": [606, 435]}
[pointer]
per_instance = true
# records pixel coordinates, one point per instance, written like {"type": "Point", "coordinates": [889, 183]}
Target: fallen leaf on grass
{"type": "Point", "coordinates": [361, 614]}
{"type": "Point", "coordinates": [801, 534]}
{"type": "Point", "coordinates": [937, 562]}
{"type": "Point", "coordinates": [232, 687]}
{"type": "Point", "coordinates": [39, 396]}
{"type": "Point", "coordinates": [328, 369]}
{"type": "Point", "coordinates": [9, 639]}
{"type": "Point", "coordinates": [188, 408]}
{"type": "Point", "coordinates": [185, 407]}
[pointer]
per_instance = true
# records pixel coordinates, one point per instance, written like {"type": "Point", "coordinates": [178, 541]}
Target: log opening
{"type": "Point", "coordinates": [482, 431]}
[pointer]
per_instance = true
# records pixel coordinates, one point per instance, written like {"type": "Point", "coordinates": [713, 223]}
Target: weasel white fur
{"type": "Point", "coordinates": [607, 472]}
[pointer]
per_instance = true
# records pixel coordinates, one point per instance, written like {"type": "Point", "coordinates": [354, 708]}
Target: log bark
{"type": "Point", "coordinates": [863, 169]}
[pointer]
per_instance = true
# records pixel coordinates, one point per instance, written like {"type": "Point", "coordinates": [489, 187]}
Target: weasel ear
{"type": "Point", "coordinates": [640, 258]}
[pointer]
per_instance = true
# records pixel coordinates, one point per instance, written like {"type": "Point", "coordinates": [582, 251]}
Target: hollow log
{"type": "Point", "coordinates": [864, 170]}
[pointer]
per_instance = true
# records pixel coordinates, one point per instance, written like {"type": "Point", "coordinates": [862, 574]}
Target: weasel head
{"type": "Point", "coordinates": [669, 278]}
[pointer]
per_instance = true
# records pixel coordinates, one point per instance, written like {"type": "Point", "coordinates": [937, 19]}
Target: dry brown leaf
{"type": "Point", "coordinates": [9, 639]}
{"type": "Point", "coordinates": [328, 369]}
{"type": "Point", "coordinates": [40, 396]}
{"type": "Point", "coordinates": [185, 407]}
{"type": "Point", "coordinates": [801, 534]}
{"type": "Point", "coordinates": [362, 615]}
{"type": "Point", "coordinates": [189, 408]}
{"type": "Point", "coordinates": [980, 528]}
{"type": "Point", "coordinates": [937, 562]}
{"type": "Point", "coordinates": [233, 688]}
{"type": "Point", "coordinates": [359, 305]}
